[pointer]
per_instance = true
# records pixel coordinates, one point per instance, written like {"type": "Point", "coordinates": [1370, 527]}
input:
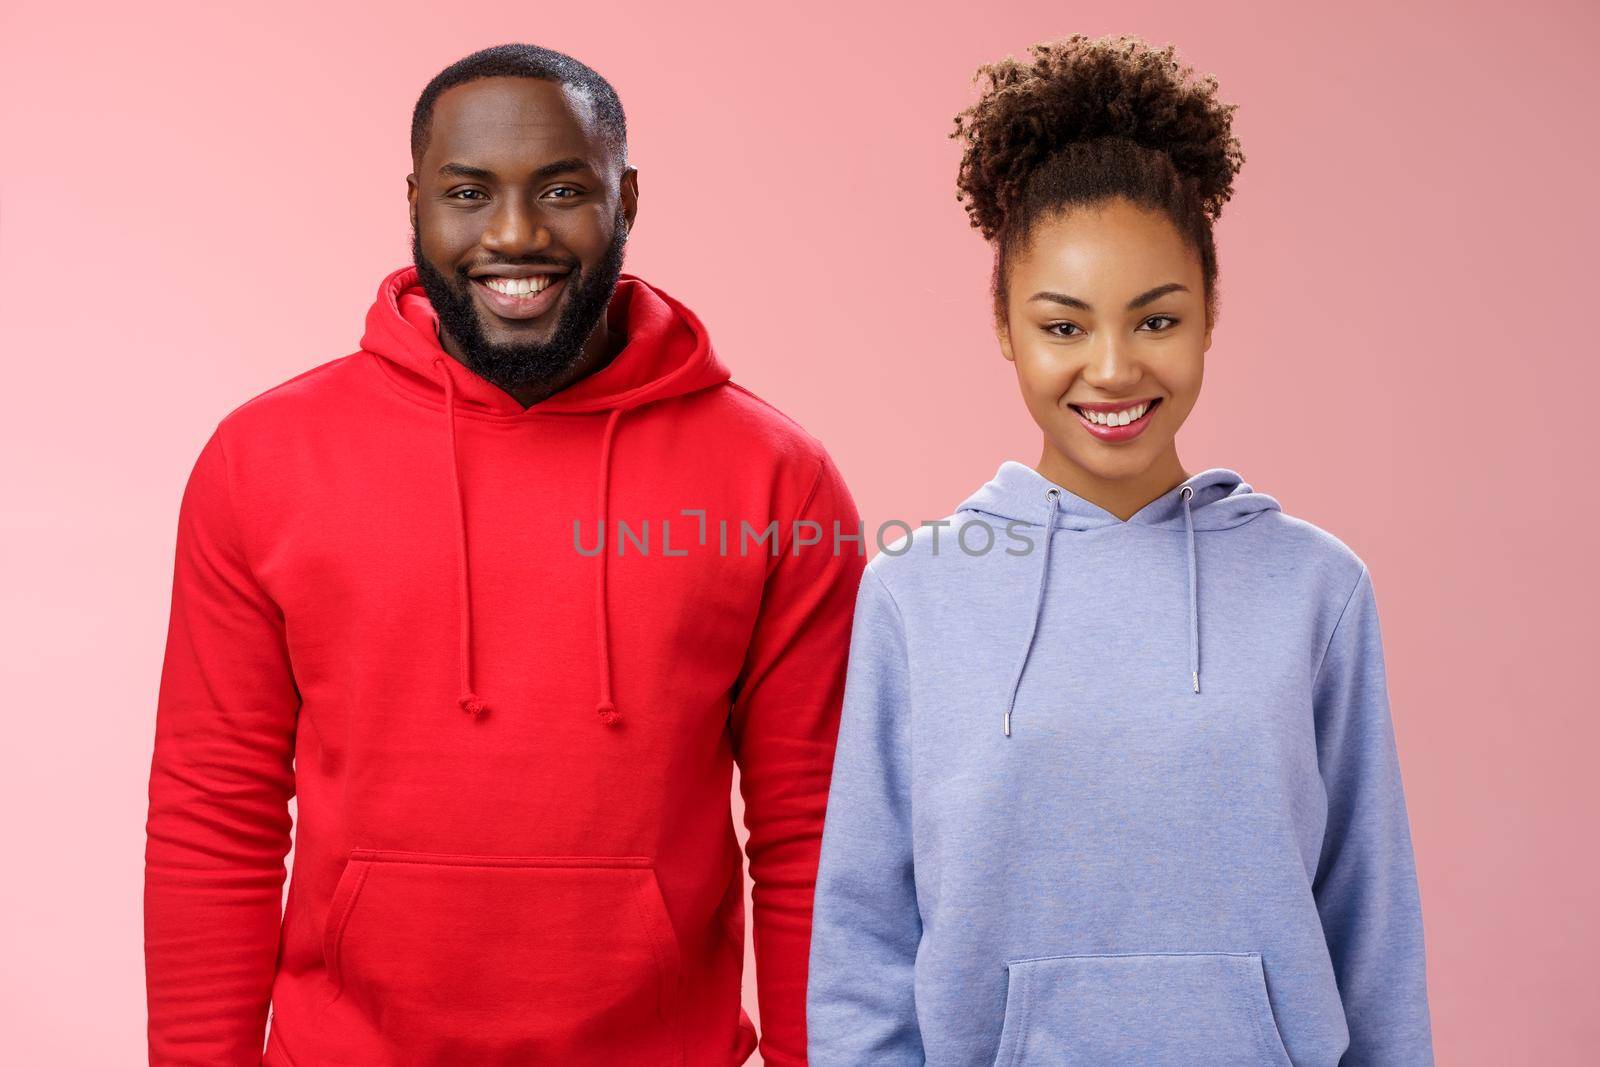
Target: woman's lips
{"type": "Point", "coordinates": [527, 306]}
{"type": "Point", "coordinates": [1118, 433]}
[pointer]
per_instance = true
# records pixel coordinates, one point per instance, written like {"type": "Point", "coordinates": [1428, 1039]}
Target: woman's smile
{"type": "Point", "coordinates": [1116, 422]}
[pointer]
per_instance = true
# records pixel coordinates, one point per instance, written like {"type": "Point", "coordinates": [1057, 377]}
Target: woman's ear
{"type": "Point", "coordinates": [998, 300]}
{"type": "Point", "coordinates": [1002, 333]}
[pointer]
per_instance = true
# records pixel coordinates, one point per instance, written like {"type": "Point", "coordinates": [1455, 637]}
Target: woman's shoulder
{"type": "Point", "coordinates": [1283, 543]}
{"type": "Point", "coordinates": [947, 549]}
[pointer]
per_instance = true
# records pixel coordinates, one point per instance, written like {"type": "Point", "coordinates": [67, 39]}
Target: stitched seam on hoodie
{"type": "Point", "coordinates": [783, 549]}
{"type": "Point", "coordinates": [905, 658]}
{"type": "Point", "coordinates": [235, 523]}
{"type": "Point", "coordinates": [1316, 675]}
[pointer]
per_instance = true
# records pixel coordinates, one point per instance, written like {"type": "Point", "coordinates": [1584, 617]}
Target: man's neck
{"type": "Point", "coordinates": [602, 346]}
{"type": "Point", "coordinates": [598, 352]}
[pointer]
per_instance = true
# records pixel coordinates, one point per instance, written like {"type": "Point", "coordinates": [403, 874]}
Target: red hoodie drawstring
{"type": "Point", "coordinates": [607, 710]}
{"type": "Point", "coordinates": [469, 701]}
{"type": "Point", "coordinates": [672, 357]}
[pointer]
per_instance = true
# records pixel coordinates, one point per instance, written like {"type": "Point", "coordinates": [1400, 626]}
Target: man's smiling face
{"type": "Point", "coordinates": [520, 207]}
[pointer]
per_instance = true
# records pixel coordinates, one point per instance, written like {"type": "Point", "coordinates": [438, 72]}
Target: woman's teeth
{"type": "Point", "coordinates": [520, 286]}
{"type": "Point", "coordinates": [1116, 418]}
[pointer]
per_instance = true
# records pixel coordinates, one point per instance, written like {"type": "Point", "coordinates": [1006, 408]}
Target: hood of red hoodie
{"type": "Point", "coordinates": [668, 353]}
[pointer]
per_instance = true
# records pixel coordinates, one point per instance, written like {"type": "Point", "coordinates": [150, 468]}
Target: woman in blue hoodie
{"type": "Point", "coordinates": [1116, 779]}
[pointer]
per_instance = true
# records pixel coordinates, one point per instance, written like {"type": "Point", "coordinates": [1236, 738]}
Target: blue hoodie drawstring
{"type": "Point", "coordinates": [1194, 596]}
{"type": "Point", "coordinates": [1052, 495]}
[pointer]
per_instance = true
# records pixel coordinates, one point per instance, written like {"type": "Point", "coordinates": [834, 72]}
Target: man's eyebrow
{"type": "Point", "coordinates": [562, 166]}
{"type": "Point", "coordinates": [1137, 302]}
{"type": "Point", "coordinates": [461, 170]}
{"type": "Point", "coordinates": [549, 170]}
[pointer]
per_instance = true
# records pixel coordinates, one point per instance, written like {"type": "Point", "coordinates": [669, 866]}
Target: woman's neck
{"type": "Point", "coordinates": [1122, 497]}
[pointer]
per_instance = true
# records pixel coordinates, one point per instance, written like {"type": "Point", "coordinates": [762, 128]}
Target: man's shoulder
{"type": "Point", "coordinates": [769, 452]}
{"type": "Point", "coordinates": [756, 426]}
{"type": "Point", "coordinates": [295, 397]}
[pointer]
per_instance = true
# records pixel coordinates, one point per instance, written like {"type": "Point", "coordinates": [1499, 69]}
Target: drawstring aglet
{"type": "Point", "coordinates": [1197, 681]}
{"type": "Point", "coordinates": [1008, 722]}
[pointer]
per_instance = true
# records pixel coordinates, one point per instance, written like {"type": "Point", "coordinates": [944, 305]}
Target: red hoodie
{"type": "Point", "coordinates": [512, 759]}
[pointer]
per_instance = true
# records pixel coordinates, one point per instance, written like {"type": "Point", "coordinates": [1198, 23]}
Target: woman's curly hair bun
{"type": "Point", "coordinates": [1080, 89]}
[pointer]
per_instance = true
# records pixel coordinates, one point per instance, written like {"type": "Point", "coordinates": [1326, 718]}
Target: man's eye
{"type": "Point", "coordinates": [1164, 329]}
{"type": "Point", "coordinates": [463, 192]}
{"type": "Point", "coordinates": [563, 189]}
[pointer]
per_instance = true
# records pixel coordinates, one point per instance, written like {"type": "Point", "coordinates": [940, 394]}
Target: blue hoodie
{"type": "Point", "coordinates": [1128, 796]}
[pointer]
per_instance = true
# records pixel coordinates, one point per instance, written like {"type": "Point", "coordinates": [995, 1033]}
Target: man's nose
{"type": "Point", "coordinates": [516, 229]}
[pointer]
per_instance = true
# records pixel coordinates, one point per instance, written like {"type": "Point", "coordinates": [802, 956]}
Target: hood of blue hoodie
{"type": "Point", "coordinates": [1214, 499]}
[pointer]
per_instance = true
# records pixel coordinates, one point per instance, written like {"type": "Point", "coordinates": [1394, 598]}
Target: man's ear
{"type": "Point", "coordinates": [411, 197]}
{"type": "Point", "coordinates": [630, 195]}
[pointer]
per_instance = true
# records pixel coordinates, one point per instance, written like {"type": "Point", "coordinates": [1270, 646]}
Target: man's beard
{"type": "Point", "coordinates": [522, 363]}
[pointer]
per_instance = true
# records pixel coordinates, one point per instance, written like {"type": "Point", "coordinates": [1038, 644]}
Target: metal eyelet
{"type": "Point", "coordinates": [1051, 494]}
{"type": "Point", "coordinates": [1187, 492]}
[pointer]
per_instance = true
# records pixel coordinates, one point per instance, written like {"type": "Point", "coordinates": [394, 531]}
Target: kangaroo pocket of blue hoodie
{"type": "Point", "coordinates": [1153, 1009]}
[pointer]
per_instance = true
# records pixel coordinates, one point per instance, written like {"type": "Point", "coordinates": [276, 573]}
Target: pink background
{"type": "Point", "coordinates": [196, 205]}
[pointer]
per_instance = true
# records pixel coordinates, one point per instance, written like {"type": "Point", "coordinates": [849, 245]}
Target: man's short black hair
{"type": "Point", "coordinates": [523, 61]}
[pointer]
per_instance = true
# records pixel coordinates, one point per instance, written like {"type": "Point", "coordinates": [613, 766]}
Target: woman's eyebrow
{"type": "Point", "coordinates": [1137, 302]}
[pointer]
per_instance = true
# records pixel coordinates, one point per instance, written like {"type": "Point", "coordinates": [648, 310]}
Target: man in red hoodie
{"type": "Point", "coordinates": [512, 752]}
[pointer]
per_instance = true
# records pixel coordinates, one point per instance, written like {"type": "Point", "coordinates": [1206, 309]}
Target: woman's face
{"type": "Point", "coordinates": [1105, 321]}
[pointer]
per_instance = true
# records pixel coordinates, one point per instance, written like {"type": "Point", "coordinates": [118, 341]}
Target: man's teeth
{"type": "Point", "coordinates": [1116, 418]}
{"type": "Point", "coordinates": [520, 286]}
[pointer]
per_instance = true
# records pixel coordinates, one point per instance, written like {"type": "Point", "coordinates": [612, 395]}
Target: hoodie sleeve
{"type": "Point", "coordinates": [785, 721]}
{"type": "Point", "coordinates": [867, 926]}
{"type": "Point", "coordinates": [220, 781]}
{"type": "Point", "coordinates": [1366, 882]}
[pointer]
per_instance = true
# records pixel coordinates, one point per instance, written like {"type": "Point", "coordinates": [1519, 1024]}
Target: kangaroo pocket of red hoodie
{"type": "Point", "coordinates": [528, 957]}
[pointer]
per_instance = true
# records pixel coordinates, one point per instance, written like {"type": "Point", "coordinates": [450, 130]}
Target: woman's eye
{"type": "Point", "coordinates": [1057, 327]}
{"type": "Point", "coordinates": [1157, 318]}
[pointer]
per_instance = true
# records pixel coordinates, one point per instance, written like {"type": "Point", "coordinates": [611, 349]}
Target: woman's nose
{"type": "Point", "coordinates": [1112, 366]}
